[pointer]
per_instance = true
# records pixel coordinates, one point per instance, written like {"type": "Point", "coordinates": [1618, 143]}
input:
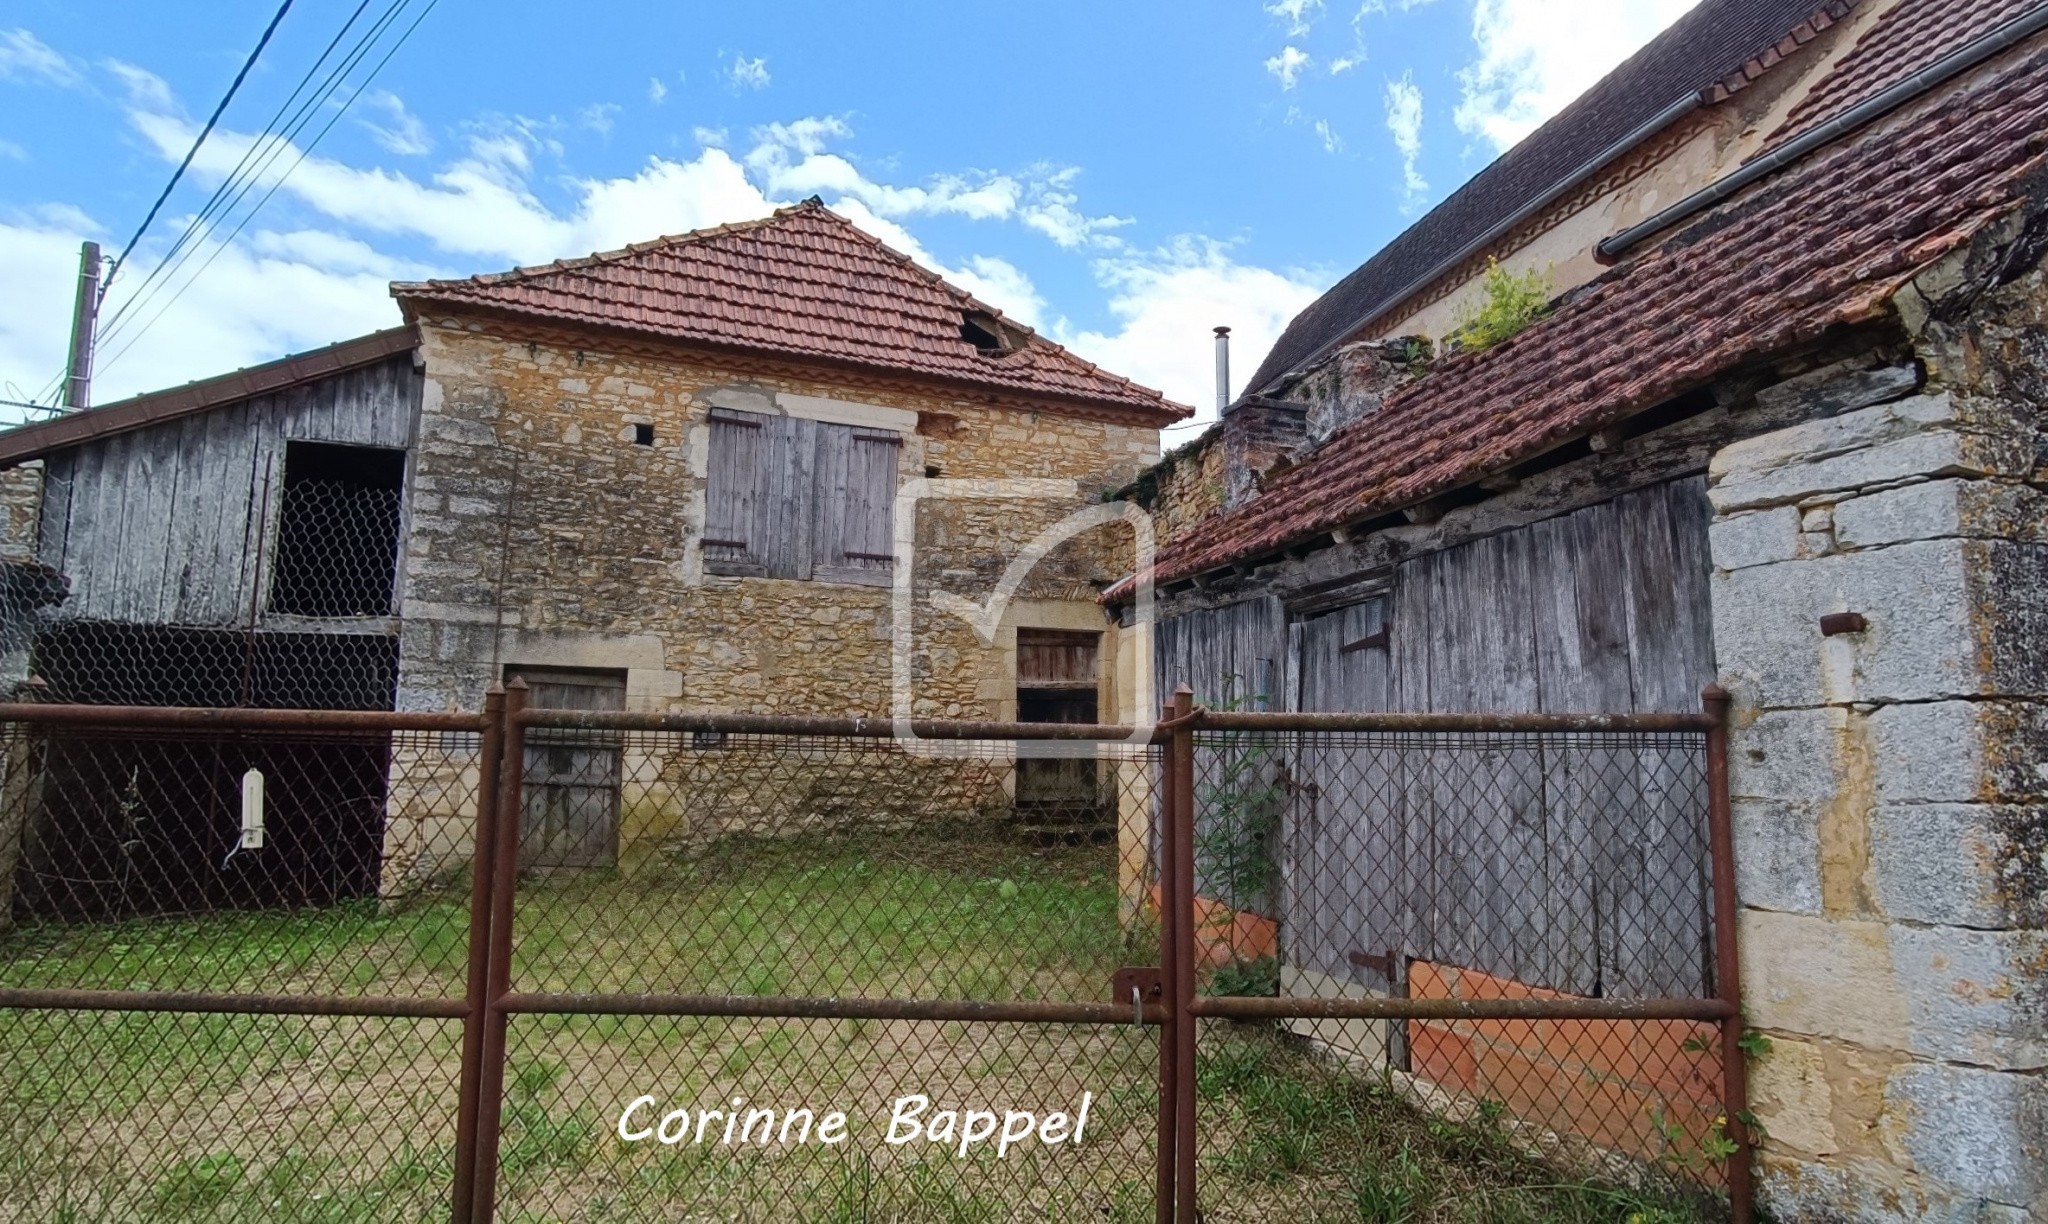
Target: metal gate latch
{"type": "Point", "coordinates": [1141, 984]}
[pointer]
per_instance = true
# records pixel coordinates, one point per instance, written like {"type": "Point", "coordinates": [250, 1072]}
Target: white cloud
{"type": "Point", "coordinates": [273, 294]}
{"type": "Point", "coordinates": [1404, 121]}
{"type": "Point", "coordinates": [1288, 65]}
{"type": "Point", "coordinates": [657, 92]}
{"type": "Point", "coordinates": [795, 159]}
{"type": "Point", "coordinates": [748, 73]}
{"type": "Point", "coordinates": [1332, 142]}
{"type": "Point", "coordinates": [481, 205]}
{"type": "Point", "coordinates": [598, 117]}
{"type": "Point", "coordinates": [1167, 303]}
{"type": "Point", "coordinates": [1534, 56]}
{"type": "Point", "coordinates": [24, 57]}
{"type": "Point", "coordinates": [322, 275]}
{"type": "Point", "coordinates": [12, 151]}
{"type": "Point", "coordinates": [713, 138]}
{"type": "Point", "coordinates": [1296, 13]}
{"type": "Point", "coordinates": [1345, 63]}
{"type": "Point", "coordinates": [401, 132]}
{"type": "Point", "coordinates": [145, 89]}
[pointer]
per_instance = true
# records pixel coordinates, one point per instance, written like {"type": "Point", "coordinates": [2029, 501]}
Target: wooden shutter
{"type": "Point", "coordinates": [733, 492]}
{"type": "Point", "coordinates": [856, 502]}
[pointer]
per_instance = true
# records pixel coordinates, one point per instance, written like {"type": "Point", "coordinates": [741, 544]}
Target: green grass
{"type": "Point", "coordinates": [334, 1120]}
{"type": "Point", "coordinates": [1296, 1138]}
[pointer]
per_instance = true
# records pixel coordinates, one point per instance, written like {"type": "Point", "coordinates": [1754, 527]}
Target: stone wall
{"type": "Point", "coordinates": [21, 508]}
{"type": "Point", "coordinates": [1891, 783]}
{"type": "Point", "coordinates": [542, 534]}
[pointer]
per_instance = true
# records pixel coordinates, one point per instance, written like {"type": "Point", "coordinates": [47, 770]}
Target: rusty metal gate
{"type": "Point", "coordinates": [287, 965]}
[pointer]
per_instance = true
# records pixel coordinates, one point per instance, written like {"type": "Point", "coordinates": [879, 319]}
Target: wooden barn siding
{"type": "Point", "coordinates": [1572, 868]}
{"type": "Point", "coordinates": [155, 526]}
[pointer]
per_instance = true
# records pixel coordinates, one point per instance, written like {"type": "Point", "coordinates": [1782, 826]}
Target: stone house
{"type": "Point", "coordinates": [1782, 427]}
{"type": "Point", "coordinates": [682, 475]}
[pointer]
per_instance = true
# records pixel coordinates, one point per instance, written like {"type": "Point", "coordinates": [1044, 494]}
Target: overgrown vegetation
{"type": "Point", "coordinates": [1508, 304]}
{"type": "Point", "coordinates": [1307, 1141]}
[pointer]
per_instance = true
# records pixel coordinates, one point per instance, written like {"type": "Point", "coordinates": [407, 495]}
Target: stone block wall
{"type": "Point", "coordinates": [1890, 784]}
{"type": "Point", "coordinates": [542, 534]}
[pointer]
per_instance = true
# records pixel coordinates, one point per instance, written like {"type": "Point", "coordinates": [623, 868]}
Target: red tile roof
{"type": "Point", "coordinates": [1826, 242]}
{"type": "Point", "coordinates": [1909, 36]}
{"type": "Point", "coordinates": [804, 283]}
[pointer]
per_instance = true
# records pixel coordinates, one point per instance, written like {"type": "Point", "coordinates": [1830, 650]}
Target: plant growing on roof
{"type": "Point", "coordinates": [1509, 303]}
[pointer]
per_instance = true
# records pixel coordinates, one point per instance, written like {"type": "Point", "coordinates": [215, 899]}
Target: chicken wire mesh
{"type": "Point", "coordinates": [1468, 866]}
{"type": "Point", "coordinates": [213, 871]}
{"type": "Point", "coordinates": [285, 602]}
{"type": "Point", "coordinates": [742, 868]}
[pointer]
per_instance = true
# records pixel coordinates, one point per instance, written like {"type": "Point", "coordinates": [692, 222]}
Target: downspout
{"type": "Point", "coordinates": [1585, 170]}
{"type": "Point", "coordinates": [1870, 109]}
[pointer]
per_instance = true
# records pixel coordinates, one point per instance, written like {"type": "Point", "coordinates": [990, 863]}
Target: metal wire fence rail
{"type": "Point", "coordinates": [558, 964]}
{"type": "Point", "coordinates": [1516, 929]}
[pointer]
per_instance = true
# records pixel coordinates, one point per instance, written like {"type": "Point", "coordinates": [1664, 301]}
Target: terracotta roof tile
{"type": "Point", "coordinates": [1909, 36]}
{"type": "Point", "coordinates": [1825, 243]}
{"type": "Point", "coordinates": [804, 283]}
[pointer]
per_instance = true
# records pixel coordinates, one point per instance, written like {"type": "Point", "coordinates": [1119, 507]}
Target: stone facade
{"type": "Point", "coordinates": [1891, 784]}
{"type": "Point", "coordinates": [541, 533]}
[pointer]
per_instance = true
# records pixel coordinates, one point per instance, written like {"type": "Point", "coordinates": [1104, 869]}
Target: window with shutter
{"type": "Point", "coordinates": [732, 493]}
{"type": "Point", "coordinates": [856, 509]}
{"type": "Point", "coordinates": [789, 497]}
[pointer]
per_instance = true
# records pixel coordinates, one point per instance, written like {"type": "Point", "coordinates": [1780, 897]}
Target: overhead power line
{"type": "Point", "coordinates": [192, 152]}
{"type": "Point", "coordinates": [252, 172]}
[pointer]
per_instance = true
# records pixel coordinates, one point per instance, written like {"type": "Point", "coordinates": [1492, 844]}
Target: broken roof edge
{"type": "Point", "coordinates": [38, 438]}
{"type": "Point", "coordinates": [1158, 413]}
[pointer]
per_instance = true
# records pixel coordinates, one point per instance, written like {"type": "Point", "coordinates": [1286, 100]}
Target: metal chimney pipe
{"type": "Point", "coordinates": [1222, 369]}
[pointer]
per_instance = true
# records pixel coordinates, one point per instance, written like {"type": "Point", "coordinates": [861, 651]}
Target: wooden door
{"type": "Point", "coordinates": [569, 805]}
{"type": "Point", "coordinates": [1056, 682]}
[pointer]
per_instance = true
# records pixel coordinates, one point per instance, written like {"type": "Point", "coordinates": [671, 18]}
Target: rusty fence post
{"type": "Point", "coordinates": [1727, 964]}
{"type": "Point", "coordinates": [1169, 976]}
{"type": "Point", "coordinates": [498, 969]}
{"type": "Point", "coordinates": [484, 849]}
{"type": "Point", "coordinates": [1181, 761]}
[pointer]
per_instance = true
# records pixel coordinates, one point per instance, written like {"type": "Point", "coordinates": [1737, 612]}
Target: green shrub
{"type": "Point", "coordinates": [1510, 304]}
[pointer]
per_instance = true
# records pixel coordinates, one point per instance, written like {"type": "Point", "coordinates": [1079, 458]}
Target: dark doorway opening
{"type": "Point", "coordinates": [140, 824]}
{"type": "Point", "coordinates": [337, 530]}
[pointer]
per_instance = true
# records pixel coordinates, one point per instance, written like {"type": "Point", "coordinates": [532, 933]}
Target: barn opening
{"type": "Point", "coordinates": [337, 530]}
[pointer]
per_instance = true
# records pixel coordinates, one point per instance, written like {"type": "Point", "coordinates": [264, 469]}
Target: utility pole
{"type": "Point", "coordinates": [84, 317]}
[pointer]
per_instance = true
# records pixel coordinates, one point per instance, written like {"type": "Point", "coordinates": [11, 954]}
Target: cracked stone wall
{"type": "Point", "coordinates": [1891, 785]}
{"type": "Point", "coordinates": [541, 534]}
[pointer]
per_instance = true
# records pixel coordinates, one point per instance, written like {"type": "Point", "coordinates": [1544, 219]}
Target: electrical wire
{"type": "Point", "coordinates": [201, 221]}
{"type": "Point", "coordinates": [256, 162]}
{"type": "Point", "coordinates": [362, 50]}
{"type": "Point", "coordinates": [204, 132]}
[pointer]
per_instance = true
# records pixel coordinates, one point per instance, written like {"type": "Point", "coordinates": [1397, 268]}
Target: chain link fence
{"type": "Point", "coordinates": [1475, 946]}
{"type": "Point", "coordinates": [573, 964]}
{"type": "Point", "coordinates": [212, 1008]}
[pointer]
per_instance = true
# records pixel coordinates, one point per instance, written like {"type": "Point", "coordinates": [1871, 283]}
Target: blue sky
{"type": "Point", "coordinates": [1122, 176]}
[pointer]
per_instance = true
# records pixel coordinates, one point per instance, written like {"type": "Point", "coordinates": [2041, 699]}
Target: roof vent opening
{"type": "Point", "coordinates": [990, 336]}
